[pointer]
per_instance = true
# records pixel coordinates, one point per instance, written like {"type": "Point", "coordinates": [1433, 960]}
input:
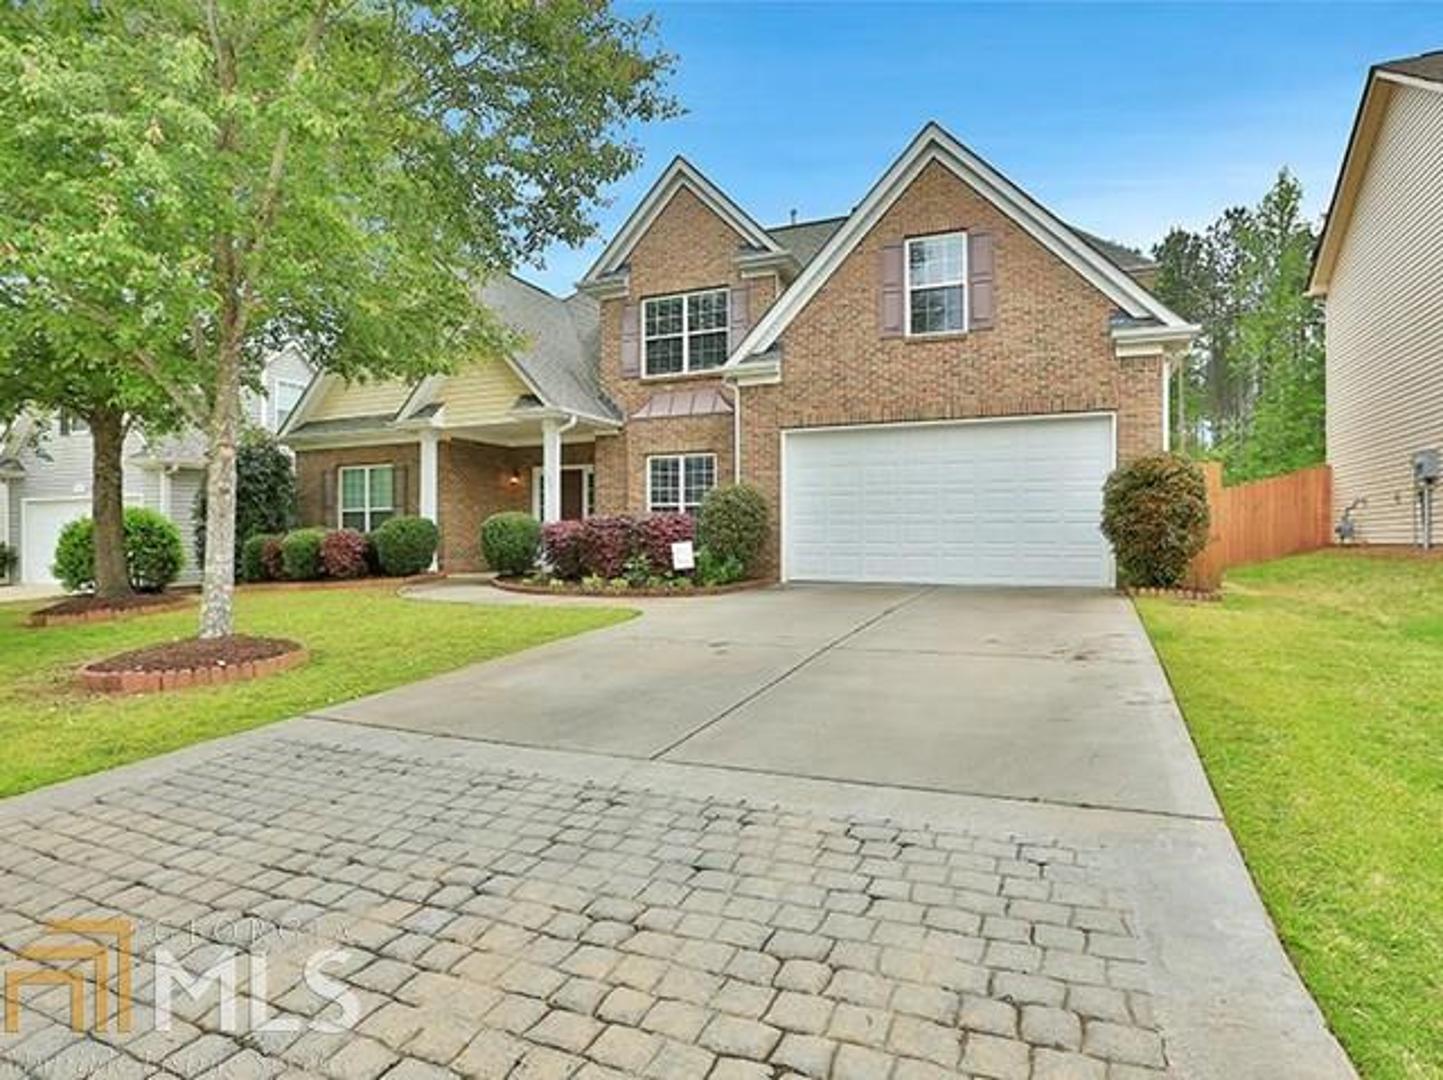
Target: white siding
{"type": "Point", "coordinates": [184, 484]}
{"type": "Point", "coordinates": [1385, 322]}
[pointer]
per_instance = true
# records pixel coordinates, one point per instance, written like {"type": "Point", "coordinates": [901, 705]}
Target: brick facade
{"type": "Point", "coordinates": [1049, 352]}
{"type": "Point", "coordinates": [687, 247]}
{"type": "Point", "coordinates": [475, 480]}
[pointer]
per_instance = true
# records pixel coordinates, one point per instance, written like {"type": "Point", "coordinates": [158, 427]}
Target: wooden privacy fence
{"type": "Point", "coordinates": [1265, 519]}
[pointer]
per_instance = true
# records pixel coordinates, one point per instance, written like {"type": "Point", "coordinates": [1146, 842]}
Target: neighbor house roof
{"type": "Point", "coordinates": [1423, 71]}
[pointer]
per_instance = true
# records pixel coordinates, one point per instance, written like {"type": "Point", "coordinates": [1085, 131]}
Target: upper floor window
{"type": "Point", "coordinates": [684, 333]}
{"type": "Point", "coordinates": [285, 395]}
{"type": "Point", "coordinates": [937, 284]}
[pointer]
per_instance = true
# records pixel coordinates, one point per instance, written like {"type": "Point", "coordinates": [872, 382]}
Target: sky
{"type": "Point", "coordinates": [1123, 119]}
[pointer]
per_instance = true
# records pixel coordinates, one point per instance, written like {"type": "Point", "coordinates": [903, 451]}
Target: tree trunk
{"type": "Point", "coordinates": [217, 618]}
{"type": "Point", "coordinates": [107, 502]}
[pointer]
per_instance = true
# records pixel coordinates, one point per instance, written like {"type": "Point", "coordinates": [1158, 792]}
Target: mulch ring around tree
{"type": "Point", "coordinates": [89, 608]}
{"type": "Point", "coordinates": [177, 665]}
{"type": "Point", "coordinates": [572, 588]}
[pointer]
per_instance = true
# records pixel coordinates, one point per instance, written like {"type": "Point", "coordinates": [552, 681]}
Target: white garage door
{"type": "Point", "coordinates": [1012, 502]}
{"type": "Point", "coordinates": [41, 522]}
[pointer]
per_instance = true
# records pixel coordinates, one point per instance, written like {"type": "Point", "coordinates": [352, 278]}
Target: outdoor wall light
{"type": "Point", "coordinates": [515, 477]}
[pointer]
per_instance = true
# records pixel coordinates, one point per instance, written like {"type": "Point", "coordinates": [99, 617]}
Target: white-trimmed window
{"type": "Point", "coordinates": [285, 396]}
{"type": "Point", "coordinates": [368, 495]}
{"type": "Point", "coordinates": [677, 483]}
{"type": "Point", "coordinates": [684, 333]}
{"type": "Point", "coordinates": [936, 284]}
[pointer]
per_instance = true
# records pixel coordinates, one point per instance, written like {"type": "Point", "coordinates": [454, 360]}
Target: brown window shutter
{"type": "Point", "coordinates": [330, 515]}
{"type": "Point", "coordinates": [891, 304]}
{"type": "Point", "coordinates": [981, 282]}
{"type": "Point", "coordinates": [630, 341]}
{"type": "Point", "coordinates": [739, 315]}
{"type": "Point", "coordinates": [400, 494]}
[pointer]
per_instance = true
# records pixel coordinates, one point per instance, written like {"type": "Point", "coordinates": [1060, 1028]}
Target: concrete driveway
{"type": "Point", "coordinates": [1047, 695]}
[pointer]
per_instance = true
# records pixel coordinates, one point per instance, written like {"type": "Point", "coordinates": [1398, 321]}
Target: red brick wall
{"type": "Point", "coordinates": [1050, 350]}
{"type": "Point", "coordinates": [687, 247]}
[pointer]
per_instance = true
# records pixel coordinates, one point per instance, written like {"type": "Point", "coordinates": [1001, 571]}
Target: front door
{"type": "Point", "coordinates": [577, 494]}
{"type": "Point", "coordinates": [573, 490]}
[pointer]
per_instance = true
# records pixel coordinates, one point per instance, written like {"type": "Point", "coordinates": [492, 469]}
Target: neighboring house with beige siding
{"type": "Point", "coordinates": [1379, 268]}
{"type": "Point", "coordinates": [931, 388]}
{"type": "Point", "coordinates": [45, 481]}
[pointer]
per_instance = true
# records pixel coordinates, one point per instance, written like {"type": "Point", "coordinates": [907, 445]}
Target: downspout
{"type": "Point", "coordinates": [736, 433]}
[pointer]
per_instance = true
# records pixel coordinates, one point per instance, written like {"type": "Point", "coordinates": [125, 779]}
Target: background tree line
{"type": "Point", "coordinates": [1251, 391]}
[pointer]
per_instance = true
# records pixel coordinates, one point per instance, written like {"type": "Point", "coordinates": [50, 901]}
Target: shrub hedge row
{"type": "Point", "coordinates": [399, 547]}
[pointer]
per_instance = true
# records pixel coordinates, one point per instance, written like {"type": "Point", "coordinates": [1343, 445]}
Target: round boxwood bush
{"type": "Point", "coordinates": [301, 554]}
{"type": "Point", "coordinates": [405, 545]}
{"type": "Point", "coordinates": [153, 552]}
{"type": "Point", "coordinates": [509, 541]}
{"type": "Point", "coordinates": [1155, 515]}
{"type": "Point", "coordinates": [343, 554]}
{"type": "Point", "coordinates": [732, 524]}
{"type": "Point", "coordinates": [253, 557]}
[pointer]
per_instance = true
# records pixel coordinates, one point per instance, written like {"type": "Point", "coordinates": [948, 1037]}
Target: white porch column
{"type": "Point", "coordinates": [551, 470]}
{"type": "Point", "coordinates": [430, 480]}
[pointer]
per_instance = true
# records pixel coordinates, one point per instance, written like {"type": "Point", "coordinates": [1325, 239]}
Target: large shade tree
{"type": "Point", "coordinates": [341, 174]}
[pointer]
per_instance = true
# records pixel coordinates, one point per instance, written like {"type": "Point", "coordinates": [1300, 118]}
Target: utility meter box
{"type": "Point", "coordinates": [1427, 467]}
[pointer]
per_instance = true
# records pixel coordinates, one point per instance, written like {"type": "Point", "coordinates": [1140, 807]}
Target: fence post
{"type": "Point", "coordinates": [1206, 571]}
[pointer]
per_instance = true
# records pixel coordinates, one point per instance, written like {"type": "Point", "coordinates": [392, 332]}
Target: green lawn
{"type": "Point", "coordinates": [360, 640]}
{"type": "Point", "coordinates": [1315, 694]}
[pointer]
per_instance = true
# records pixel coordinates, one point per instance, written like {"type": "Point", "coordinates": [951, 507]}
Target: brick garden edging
{"type": "Point", "coordinates": [339, 583]}
{"type": "Point", "coordinates": [40, 619]}
{"type": "Point", "coordinates": [149, 682]}
{"type": "Point", "coordinates": [1204, 596]}
{"type": "Point", "coordinates": [609, 594]}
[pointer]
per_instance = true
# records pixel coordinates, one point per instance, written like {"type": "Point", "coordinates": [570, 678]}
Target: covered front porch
{"type": "Point", "coordinates": [456, 475]}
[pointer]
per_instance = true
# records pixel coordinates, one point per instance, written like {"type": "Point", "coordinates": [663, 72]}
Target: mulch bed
{"type": "Point", "coordinates": [175, 665]}
{"type": "Point", "coordinates": [342, 583]}
{"type": "Point", "coordinates": [78, 609]}
{"type": "Point", "coordinates": [573, 589]}
{"type": "Point", "coordinates": [1207, 596]}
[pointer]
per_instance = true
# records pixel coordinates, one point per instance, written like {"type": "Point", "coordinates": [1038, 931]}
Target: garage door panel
{"type": "Point", "coordinates": [1008, 502]}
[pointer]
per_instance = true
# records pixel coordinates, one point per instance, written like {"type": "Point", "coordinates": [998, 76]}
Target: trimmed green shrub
{"type": "Point", "coordinates": [343, 554]}
{"type": "Point", "coordinates": [561, 546]}
{"type": "Point", "coordinates": [9, 557]}
{"type": "Point", "coordinates": [711, 570]}
{"type": "Point", "coordinates": [301, 554]}
{"type": "Point", "coordinates": [272, 557]}
{"type": "Point", "coordinates": [732, 524]}
{"type": "Point", "coordinates": [405, 545]}
{"type": "Point", "coordinates": [1155, 515]}
{"type": "Point", "coordinates": [510, 541]}
{"type": "Point", "coordinates": [153, 552]}
{"type": "Point", "coordinates": [265, 495]}
{"type": "Point", "coordinates": [74, 565]}
{"type": "Point", "coordinates": [253, 557]}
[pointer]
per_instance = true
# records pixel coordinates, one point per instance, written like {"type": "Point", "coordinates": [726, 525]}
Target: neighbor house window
{"type": "Point", "coordinates": [70, 424]}
{"type": "Point", "coordinates": [677, 483]}
{"type": "Point", "coordinates": [685, 333]}
{"type": "Point", "coordinates": [937, 284]}
{"type": "Point", "coordinates": [285, 395]}
{"type": "Point", "coordinates": [367, 496]}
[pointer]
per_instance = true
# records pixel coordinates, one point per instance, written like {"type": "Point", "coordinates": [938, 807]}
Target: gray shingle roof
{"type": "Point", "coordinates": [346, 425]}
{"type": "Point", "coordinates": [1427, 65]}
{"type": "Point", "coordinates": [561, 353]}
{"type": "Point", "coordinates": [806, 238]}
{"type": "Point", "coordinates": [1124, 257]}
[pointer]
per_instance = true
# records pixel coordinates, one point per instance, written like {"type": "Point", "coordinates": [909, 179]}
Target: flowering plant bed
{"type": "Point", "coordinates": [620, 587]}
{"type": "Point", "coordinates": [1178, 593]}
{"type": "Point", "coordinates": [89, 608]}
{"type": "Point", "coordinates": [176, 665]}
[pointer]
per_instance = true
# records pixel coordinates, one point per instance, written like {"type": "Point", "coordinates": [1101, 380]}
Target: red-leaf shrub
{"type": "Point", "coordinates": [606, 543]}
{"type": "Point", "coordinates": [561, 547]}
{"type": "Point", "coordinates": [657, 533]}
{"type": "Point", "coordinates": [343, 554]}
{"type": "Point", "coordinates": [272, 558]}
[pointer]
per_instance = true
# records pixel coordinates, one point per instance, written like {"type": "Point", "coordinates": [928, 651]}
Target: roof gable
{"type": "Point", "coordinates": [1423, 72]}
{"type": "Point", "coordinates": [679, 174]}
{"type": "Point", "coordinates": [935, 144]}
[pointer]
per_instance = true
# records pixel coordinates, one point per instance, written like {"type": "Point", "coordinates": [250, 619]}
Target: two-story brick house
{"type": "Point", "coordinates": [931, 388]}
